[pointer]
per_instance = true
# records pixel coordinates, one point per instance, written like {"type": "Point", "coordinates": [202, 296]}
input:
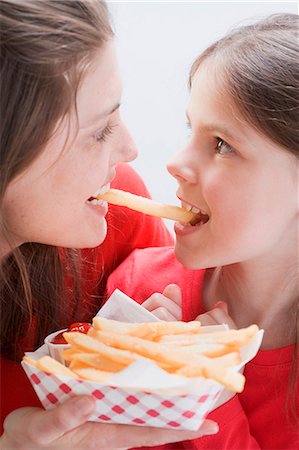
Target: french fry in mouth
{"type": "Point", "coordinates": [147, 206]}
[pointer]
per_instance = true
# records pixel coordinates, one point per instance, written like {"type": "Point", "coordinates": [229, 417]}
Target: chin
{"type": "Point", "coordinates": [90, 239]}
{"type": "Point", "coordinates": [186, 258]}
{"type": "Point", "coordinates": [94, 242]}
{"type": "Point", "coordinates": [190, 260]}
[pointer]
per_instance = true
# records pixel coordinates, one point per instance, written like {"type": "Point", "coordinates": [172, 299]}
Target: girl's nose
{"type": "Point", "coordinates": [182, 168]}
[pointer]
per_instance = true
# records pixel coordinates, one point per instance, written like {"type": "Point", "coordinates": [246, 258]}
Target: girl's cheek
{"type": "Point", "coordinates": [215, 191]}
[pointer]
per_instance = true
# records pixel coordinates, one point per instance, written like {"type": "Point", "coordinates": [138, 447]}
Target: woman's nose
{"type": "Point", "coordinates": [182, 168]}
{"type": "Point", "coordinates": [127, 147]}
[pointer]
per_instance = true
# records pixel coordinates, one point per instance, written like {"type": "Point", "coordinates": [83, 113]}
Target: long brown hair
{"type": "Point", "coordinates": [46, 46]}
{"type": "Point", "coordinates": [258, 67]}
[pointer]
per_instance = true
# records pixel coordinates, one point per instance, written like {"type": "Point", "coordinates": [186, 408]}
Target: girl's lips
{"type": "Point", "coordinates": [201, 216]}
{"type": "Point", "coordinates": [182, 229]}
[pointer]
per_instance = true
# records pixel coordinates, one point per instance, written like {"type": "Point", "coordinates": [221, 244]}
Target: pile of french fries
{"type": "Point", "coordinates": [180, 348]}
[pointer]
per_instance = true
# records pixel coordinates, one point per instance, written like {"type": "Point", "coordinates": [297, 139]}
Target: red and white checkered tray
{"type": "Point", "coordinates": [143, 393]}
{"type": "Point", "coordinates": [128, 406]}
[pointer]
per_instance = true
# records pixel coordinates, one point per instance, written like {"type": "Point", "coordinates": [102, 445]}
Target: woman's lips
{"type": "Point", "coordinates": [93, 198]}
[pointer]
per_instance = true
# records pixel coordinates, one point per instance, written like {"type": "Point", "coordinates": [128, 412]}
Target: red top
{"type": "Point", "coordinates": [127, 230]}
{"type": "Point", "coordinates": [256, 418]}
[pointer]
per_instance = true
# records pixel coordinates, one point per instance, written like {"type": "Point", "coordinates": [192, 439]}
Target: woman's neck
{"type": "Point", "coordinates": [255, 293]}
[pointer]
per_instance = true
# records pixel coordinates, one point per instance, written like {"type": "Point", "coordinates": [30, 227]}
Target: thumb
{"type": "Point", "coordinates": [221, 305]}
{"type": "Point", "coordinates": [47, 426]}
{"type": "Point", "coordinates": [174, 293]}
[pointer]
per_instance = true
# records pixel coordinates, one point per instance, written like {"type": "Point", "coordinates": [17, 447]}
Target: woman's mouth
{"type": "Point", "coordinates": [93, 198]}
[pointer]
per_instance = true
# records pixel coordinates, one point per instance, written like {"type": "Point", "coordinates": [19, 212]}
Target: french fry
{"type": "Point", "coordinates": [31, 362]}
{"type": "Point", "coordinates": [144, 348]}
{"type": "Point", "coordinates": [229, 337]}
{"type": "Point", "coordinates": [90, 345]}
{"type": "Point", "coordinates": [50, 365]}
{"type": "Point", "coordinates": [69, 353]}
{"type": "Point", "coordinates": [184, 349]}
{"type": "Point", "coordinates": [158, 352]}
{"type": "Point", "coordinates": [146, 206]}
{"type": "Point", "coordinates": [234, 381]}
{"type": "Point", "coordinates": [148, 330]}
{"type": "Point", "coordinates": [211, 350]}
{"type": "Point", "coordinates": [74, 365]}
{"type": "Point", "coordinates": [94, 374]}
{"type": "Point", "coordinates": [98, 362]}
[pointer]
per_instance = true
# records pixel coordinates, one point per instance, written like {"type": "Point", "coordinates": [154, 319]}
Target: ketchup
{"type": "Point", "coordinates": [81, 327]}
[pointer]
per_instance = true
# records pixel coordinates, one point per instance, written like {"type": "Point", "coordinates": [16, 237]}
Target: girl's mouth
{"type": "Point", "coordinates": [200, 218]}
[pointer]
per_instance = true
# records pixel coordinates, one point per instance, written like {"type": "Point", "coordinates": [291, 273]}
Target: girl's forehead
{"type": "Point", "coordinates": [210, 75]}
{"type": "Point", "coordinates": [210, 92]}
{"type": "Point", "coordinates": [212, 109]}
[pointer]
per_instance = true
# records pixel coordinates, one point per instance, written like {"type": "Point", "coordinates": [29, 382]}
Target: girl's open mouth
{"type": "Point", "coordinates": [200, 218]}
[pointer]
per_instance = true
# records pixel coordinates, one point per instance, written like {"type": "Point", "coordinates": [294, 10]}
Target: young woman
{"type": "Point", "coordinates": [239, 172]}
{"type": "Point", "coordinates": [62, 139]}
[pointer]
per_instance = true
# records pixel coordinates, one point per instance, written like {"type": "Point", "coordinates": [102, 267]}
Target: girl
{"type": "Point", "coordinates": [239, 172]}
{"type": "Point", "coordinates": [62, 139]}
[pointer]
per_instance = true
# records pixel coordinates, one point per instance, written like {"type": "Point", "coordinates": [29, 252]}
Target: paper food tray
{"type": "Point", "coordinates": [159, 399]}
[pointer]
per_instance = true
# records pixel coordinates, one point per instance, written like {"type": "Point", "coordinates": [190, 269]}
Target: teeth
{"type": "Point", "coordinates": [97, 202]}
{"type": "Point", "coordinates": [195, 210]}
{"type": "Point", "coordinates": [102, 190]}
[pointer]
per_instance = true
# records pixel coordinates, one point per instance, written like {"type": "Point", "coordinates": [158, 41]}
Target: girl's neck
{"type": "Point", "coordinates": [265, 295]}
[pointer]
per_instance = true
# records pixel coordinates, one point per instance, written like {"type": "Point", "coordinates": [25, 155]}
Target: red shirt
{"type": "Point", "coordinates": [256, 418]}
{"type": "Point", "coordinates": [127, 230]}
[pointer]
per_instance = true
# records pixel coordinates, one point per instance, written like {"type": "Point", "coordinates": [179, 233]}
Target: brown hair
{"type": "Point", "coordinates": [258, 67]}
{"type": "Point", "coordinates": [46, 46]}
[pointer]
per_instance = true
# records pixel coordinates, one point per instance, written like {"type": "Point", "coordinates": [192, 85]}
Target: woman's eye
{"type": "Point", "coordinates": [223, 148]}
{"type": "Point", "coordinates": [102, 135]}
{"type": "Point", "coordinates": [188, 125]}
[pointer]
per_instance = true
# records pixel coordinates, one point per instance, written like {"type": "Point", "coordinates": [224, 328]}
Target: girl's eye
{"type": "Point", "coordinates": [223, 148]}
{"type": "Point", "coordinates": [102, 135]}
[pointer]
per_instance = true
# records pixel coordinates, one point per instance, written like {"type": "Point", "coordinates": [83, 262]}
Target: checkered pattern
{"type": "Point", "coordinates": [116, 405]}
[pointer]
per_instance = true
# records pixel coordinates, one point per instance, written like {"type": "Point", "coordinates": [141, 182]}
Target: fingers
{"type": "Point", "coordinates": [166, 306]}
{"type": "Point", "coordinates": [39, 427]}
{"type": "Point", "coordinates": [174, 293]}
{"type": "Point", "coordinates": [64, 418]}
{"type": "Point", "coordinates": [163, 314]}
{"type": "Point", "coordinates": [163, 307]}
{"type": "Point", "coordinates": [217, 315]}
{"type": "Point", "coordinates": [121, 437]}
{"type": "Point", "coordinates": [159, 436]}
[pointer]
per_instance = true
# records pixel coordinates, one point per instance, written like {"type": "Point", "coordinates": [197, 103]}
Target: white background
{"type": "Point", "coordinates": [157, 43]}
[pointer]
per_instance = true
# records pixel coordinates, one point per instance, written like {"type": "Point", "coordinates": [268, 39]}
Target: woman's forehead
{"type": "Point", "coordinates": [101, 88]}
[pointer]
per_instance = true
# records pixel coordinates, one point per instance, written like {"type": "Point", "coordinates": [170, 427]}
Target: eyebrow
{"type": "Point", "coordinates": [217, 129]}
{"type": "Point", "coordinates": [102, 115]}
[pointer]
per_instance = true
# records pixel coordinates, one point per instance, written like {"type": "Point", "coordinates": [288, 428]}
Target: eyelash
{"type": "Point", "coordinates": [101, 136]}
{"type": "Point", "coordinates": [219, 144]}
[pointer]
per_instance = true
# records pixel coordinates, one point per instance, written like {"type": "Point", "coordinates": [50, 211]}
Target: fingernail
{"type": "Point", "coordinates": [219, 305]}
{"type": "Point", "coordinates": [85, 405]}
{"type": "Point", "coordinates": [213, 430]}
